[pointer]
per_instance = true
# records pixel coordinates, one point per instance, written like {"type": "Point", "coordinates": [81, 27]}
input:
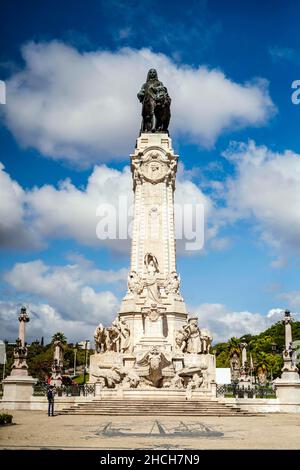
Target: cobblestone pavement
{"type": "Point", "coordinates": [35, 430]}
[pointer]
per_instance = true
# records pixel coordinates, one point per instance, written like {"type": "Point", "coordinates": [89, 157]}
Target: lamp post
{"type": "Point", "coordinates": [85, 361]}
{"type": "Point", "coordinates": [75, 355]}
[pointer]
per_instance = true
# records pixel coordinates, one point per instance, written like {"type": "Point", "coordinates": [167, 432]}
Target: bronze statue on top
{"type": "Point", "coordinates": [156, 104]}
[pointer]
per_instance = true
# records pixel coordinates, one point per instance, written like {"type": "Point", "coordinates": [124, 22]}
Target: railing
{"type": "Point", "coordinates": [74, 390]}
{"type": "Point", "coordinates": [252, 391]}
{"type": "Point", "coordinates": [39, 389]}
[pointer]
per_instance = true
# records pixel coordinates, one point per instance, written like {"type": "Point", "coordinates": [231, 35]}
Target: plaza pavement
{"type": "Point", "coordinates": [35, 430]}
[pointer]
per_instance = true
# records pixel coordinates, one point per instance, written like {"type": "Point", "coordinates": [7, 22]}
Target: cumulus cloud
{"type": "Point", "coordinates": [13, 229]}
{"type": "Point", "coordinates": [82, 107]}
{"type": "Point", "coordinates": [44, 321]}
{"type": "Point", "coordinates": [46, 212]}
{"type": "Point", "coordinates": [225, 323]}
{"type": "Point", "coordinates": [292, 298]}
{"type": "Point", "coordinates": [69, 289]}
{"type": "Point", "coordinates": [68, 211]}
{"type": "Point", "coordinates": [266, 188]}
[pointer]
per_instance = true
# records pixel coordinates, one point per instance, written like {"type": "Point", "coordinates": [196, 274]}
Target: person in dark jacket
{"type": "Point", "coordinates": [50, 397]}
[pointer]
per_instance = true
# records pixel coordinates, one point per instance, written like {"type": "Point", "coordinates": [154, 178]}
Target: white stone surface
{"type": "Point", "coordinates": [223, 375]}
{"type": "Point", "coordinates": [18, 388]}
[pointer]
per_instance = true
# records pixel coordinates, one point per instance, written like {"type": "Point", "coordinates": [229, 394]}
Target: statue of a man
{"type": "Point", "coordinates": [156, 104]}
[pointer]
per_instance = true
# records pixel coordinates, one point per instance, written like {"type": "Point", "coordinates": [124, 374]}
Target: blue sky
{"type": "Point", "coordinates": [72, 71]}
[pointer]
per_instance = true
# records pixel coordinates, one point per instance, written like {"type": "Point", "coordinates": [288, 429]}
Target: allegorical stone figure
{"type": "Point", "coordinates": [100, 338]}
{"type": "Point", "coordinates": [125, 343]}
{"type": "Point", "coordinates": [135, 283]}
{"type": "Point", "coordinates": [156, 104]}
{"type": "Point", "coordinates": [153, 292]}
{"type": "Point", "coordinates": [194, 345]}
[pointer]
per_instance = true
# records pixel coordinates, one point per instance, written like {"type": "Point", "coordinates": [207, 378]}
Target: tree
{"type": "Point", "coordinates": [262, 367]}
{"type": "Point", "coordinates": [268, 360]}
{"type": "Point", "coordinates": [59, 336]}
{"type": "Point", "coordinates": [234, 346]}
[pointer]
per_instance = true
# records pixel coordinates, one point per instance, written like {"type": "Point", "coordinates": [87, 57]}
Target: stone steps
{"type": "Point", "coordinates": [132, 407]}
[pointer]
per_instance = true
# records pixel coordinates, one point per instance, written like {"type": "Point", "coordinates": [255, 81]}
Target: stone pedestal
{"type": "Point", "coordinates": [288, 386]}
{"type": "Point", "coordinates": [18, 389]}
{"type": "Point", "coordinates": [18, 386]}
{"type": "Point", "coordinates": [288, 392]}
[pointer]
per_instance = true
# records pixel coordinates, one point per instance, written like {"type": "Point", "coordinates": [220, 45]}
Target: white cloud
{"type": "Point", "coordinates": [83, 108]}
{"type": "Point", "coordinates": [13, 229]}
{"type": "Point", "coordinates": [292, 298]}
{"type": "Point", "coordinates": [34, 216]}
{"type": "Point", "coordinates": [68, 289]}
{"type": "Point", "coordinates": [68, 211]}
{"type": "Point", "coordinates": [225, 323]}
{"type": "Point", "coordinates": [266, 188]}
{"type": "Point", "coordinates": [44, 321]}
{"type": "Point", "coordinates": [275, 313]}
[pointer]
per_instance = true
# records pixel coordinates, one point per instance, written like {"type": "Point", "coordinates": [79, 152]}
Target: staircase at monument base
{"type": "Point", "coordinates": [115, 407]}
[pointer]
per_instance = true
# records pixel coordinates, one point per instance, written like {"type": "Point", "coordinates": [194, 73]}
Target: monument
{"type": "Point", "coordinates": [288, 386]}
{"type": "Point", "coordinates": [57, 364]}
{"type": "Point", "coordinates": [18, 386]}
{"type": "Point", "coordinates": [153, 343]}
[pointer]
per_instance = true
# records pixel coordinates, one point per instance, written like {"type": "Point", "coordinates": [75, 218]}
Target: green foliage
{"type": "Point", "coordinates": [40, 359]}
{"type": "Point", "coordinates": [80, 379]}
{"type": "Point", "coordinates": [59, 336]}
{"type": "Point", "coordinates": [261, 348]}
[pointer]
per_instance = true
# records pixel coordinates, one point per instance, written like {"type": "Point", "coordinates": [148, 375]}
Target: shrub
{"type": "Point", "coordinates": [5, 419]}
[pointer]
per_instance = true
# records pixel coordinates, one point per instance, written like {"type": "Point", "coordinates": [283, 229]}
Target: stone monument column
{"type": "Point", "coordinates": [244, 381]}
{"type": "Point", "coordinates": [289, 370]}
{"type": "Point", "coordinates": [18, 386]}
{"type": "Point", "coordinates": [288, 386]}
{"type": "Point", "coordinates": [20, 367]}
{"type": "Point", "coordinates": [287, 322]}
{"type": "Point", "coordinates": [57, 365]}
{"type": "Point", "coordinates": [23, 319]}
{"type": "Point", "coordinates": [153, 305]}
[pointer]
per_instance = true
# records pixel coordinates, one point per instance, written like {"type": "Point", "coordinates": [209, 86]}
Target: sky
{"type": "Point", "coordinates": [72, 70]}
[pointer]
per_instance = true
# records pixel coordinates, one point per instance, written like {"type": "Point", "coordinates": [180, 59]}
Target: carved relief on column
{"type": "Point", "coordinates": [154, 166]}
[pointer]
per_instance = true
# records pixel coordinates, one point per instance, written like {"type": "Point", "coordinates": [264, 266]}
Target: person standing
{"type": "Point", "coordinates": [50, 397]}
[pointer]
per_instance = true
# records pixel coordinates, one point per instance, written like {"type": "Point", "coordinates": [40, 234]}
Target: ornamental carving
{"type": "Point", "coordinates": [154, 167]}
